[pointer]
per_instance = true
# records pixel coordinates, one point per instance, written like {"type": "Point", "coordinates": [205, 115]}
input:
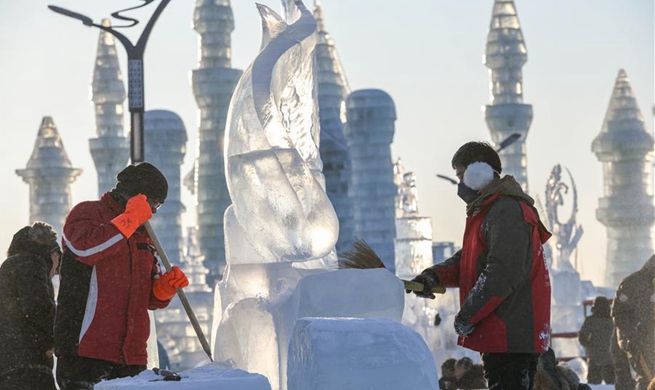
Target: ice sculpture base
{"type": "Point", "coordinates": [355, 354]}
{"type": "Point", "coordinates": [257, 305]}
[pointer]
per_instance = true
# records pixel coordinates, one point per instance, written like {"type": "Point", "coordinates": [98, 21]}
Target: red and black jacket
{"type": "Point", "coordinates": [502, 278]}
{"type": "Point", "coordinates": [106, 287]}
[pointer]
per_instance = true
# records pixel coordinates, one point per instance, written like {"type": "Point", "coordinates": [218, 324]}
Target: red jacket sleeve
{"type": "Point", "coordinates": [448, 271]}
{"type": "Point", "coordinates": [89, 237]}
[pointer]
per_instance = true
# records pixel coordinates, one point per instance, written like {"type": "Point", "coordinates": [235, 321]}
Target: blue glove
{"type": "Point", "coordinates": [429, 280]}
{"type": "Point", "coordinates": [462, 328]}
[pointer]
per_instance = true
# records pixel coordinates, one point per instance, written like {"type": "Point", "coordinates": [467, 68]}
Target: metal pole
{"type": "Point", "coordinates": [180, 292]}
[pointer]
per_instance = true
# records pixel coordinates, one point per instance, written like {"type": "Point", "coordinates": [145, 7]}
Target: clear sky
{"type": "Point", "coordinates": [427, 54]}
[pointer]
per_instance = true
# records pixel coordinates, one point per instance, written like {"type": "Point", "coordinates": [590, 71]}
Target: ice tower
{"type": "Point", "coordinates": [49, 173]}
{"type": "Point", "coordinates": [505, 55]}
{"type": "Point", "coordinates": [625, 148]}
{"type": "Point", "coordinates": [413, 243]}
{"type": "Point", "coordinates": [213, 84]}
{"type": "Point", "coordinates": [165, 148]}
{"type": "Point", "coordinates": [371, 114]}
{"type": "Point", "coordinates": [332, 92]}
{"type": "Point", "coordinates": [111, 149]}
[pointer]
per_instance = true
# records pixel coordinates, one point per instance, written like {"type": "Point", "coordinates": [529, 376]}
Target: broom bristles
{"type": "Point", "coordinates": [362, 256]}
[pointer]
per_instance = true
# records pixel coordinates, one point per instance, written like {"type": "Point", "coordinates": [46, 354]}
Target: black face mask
{"type": "Point", "coordinates": [467, 194]}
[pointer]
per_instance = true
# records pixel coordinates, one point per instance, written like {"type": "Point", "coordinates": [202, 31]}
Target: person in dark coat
{"type": "Point", "coordinates": [504, 287]}
{"type": "Point", "coordinates": [469, 375]}
{"type": "Point", "coordinates": [27, 309]}
{"type": "Point", "coordinates": [595, 336]}
{"type": "Point", "coordinates": [634, 317]}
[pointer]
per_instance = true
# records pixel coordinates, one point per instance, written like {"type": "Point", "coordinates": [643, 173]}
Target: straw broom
{"type": "Point", "coordinates": [362, 256]}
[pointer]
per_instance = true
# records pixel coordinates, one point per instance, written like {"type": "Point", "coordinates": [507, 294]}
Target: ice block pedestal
{"type": "Point", "coordinates": [355, 354]}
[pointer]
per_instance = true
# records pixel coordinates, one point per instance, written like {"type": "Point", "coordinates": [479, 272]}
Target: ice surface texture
{"type": "Point", "coordinates": [273, 164]}
{"type": "Point", "coordinates": [356, 354]}
{"type": "Point", "coordinates": [212, 376]}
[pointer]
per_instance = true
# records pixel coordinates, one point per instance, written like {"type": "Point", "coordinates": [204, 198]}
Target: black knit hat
{"type": "Point", "coordinates": [142, 178]}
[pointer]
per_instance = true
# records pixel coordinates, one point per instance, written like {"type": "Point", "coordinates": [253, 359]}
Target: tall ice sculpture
{"type": "Point", "coordinates": [49, 173]}
{"type": "Point", "coordinates": [213, 83]}
{"type": "Point", "coordinates": [505, 56]}
{"type": "Point", "coordinates": [625, 148]}
{"type": "Point", "coordinates": [110, 149]}
{"type": "Point", "coordinates": [332, 92]}
{"type": "Point", "coordinates": [281, 228]}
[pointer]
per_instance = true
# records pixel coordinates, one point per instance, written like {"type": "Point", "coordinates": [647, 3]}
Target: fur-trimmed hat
{"type": "Point", "coordinates": [40, 238]}
{"type": "Point", "coordinates": [142, 178]}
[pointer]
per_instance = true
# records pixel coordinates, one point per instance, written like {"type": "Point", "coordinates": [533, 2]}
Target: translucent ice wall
{"type": "Point", "coordinates": [273, 164]}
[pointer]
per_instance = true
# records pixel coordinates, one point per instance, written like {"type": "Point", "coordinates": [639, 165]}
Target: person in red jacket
{"type": "Point", "coordinates": [110, 277]}
{"type": "Point", "coordinates": [500, 271]}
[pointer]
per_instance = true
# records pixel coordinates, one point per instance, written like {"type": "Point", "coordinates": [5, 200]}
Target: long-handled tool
{"type": "Point", "coordinates": [644, 366]}
{"type": "Point", "coordinates": [180, 292]}
{"type": "Point", "coordinates": [362, 256]}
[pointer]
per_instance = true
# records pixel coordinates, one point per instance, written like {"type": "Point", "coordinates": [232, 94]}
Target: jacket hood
{"type": "Point", "coordinates": [505, 186]}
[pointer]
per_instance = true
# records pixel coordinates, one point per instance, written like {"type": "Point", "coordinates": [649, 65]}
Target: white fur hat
{"type": "Point", "coordinates": [478, 175]}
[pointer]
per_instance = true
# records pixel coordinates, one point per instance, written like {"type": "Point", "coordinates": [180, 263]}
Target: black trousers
{"type": "Point", "coordinates": [80, 373]}
{"type": "Point", "coordinates": [510, 371]}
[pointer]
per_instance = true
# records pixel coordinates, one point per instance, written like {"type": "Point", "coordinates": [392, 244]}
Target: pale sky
{"type": "Point", "coordinates": [427, 54]}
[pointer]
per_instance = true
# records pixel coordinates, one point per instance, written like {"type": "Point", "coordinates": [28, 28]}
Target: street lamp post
{"type": "Point", "coordinates": [135, 90]}
{"type": "Point", "coordinates": [136, 103]}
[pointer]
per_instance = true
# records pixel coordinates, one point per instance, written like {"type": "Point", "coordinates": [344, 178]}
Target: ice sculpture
{"type": "Point", "coordinates": [281, 226]}
{"type": "Point", "coordinates": [407, 199]}
{"type": "Point", "coordinates": [625, 148]}
{"type": "Point", "coordinates": [567, 234]}
{"type": "Point", "coordinates": [273, 163]}
{"type": "Point", "coordinates": [566, 310]}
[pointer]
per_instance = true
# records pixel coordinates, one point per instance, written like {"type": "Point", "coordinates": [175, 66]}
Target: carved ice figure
{"type": "Point", "coordinates": [273, 164]}
{"type": "Point", "coordinates": [566, 311]}
{"type": "Point", "coordinates": [281, 225]}
{"type": "Point", "coordinates": [407, 198]}
{"type": "Point", "coordinates": [567, 234]}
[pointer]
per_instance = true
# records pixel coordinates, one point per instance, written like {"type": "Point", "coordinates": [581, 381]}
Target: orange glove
{"type": "Point", "coordinates": [165, 287]}
{"type": "Point", "coordinates": [137, 211]}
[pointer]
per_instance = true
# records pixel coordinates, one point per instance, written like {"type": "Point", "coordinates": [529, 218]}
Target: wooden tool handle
{"type": "Point", "coordinates": [416, 286]}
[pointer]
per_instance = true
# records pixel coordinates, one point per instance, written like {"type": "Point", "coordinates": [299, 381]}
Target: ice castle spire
{"type": "Point", "coordinates": [371, 114]}
{"type": "Point", "coordinates": [332, 92]}
{"type": "Point", "coordinates": [110, 149]}
{"type": "Point", "coordinates": [213, 84]}
{"type": "Point", "coordinates": [166, 148]}
{"type": "Point", "coordinates": [625, 148]}
{"type": "Point", "coordinates": [505, 55]}
{"type": "Point", "coordinates": [49, 173]}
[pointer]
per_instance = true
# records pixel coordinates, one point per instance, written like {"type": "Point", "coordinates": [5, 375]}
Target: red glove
{"type": "Point", "coordinates": [137, 212]}
{"type": "Point", "coordinates": [166, 287]}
